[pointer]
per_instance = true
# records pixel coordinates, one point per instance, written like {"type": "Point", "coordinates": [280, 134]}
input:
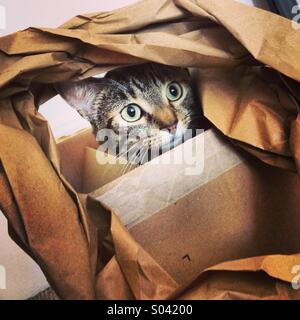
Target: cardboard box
{"type": "Point", "coordinates": [246, 62]}
{"type": "Point", "coordinates": [237, 207]}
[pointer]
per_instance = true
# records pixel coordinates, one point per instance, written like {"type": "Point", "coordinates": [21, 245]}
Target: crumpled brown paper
{"type": "Point", "coordinates": [248, 64]}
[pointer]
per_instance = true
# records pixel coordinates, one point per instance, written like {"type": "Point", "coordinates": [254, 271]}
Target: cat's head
{"type": "Point", "coordinates": [151, 100]}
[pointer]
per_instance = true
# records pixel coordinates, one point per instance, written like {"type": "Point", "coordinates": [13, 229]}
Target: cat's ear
{"type": "Point", "coordinates": [81, 94]}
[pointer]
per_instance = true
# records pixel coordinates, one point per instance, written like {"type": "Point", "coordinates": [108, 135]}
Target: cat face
{"type": "Point", "coordinates": [152, 102]}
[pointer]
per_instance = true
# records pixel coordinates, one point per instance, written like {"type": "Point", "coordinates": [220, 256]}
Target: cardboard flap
{"type": "Point", "coordinates": [138, 195]}
{"type": "Point", "coordinates": [101, 168]}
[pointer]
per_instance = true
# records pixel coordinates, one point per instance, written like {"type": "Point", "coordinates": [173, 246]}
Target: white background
{"type": "Point", "coordinates": [24, 277]}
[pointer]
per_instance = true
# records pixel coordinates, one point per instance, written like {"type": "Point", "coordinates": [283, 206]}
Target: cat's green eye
{"type": "Point", "coordinates": [174, 91]}
{"type": "Point", "coordinates": [131, 113]}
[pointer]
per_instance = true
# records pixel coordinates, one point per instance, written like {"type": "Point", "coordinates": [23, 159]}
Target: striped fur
{"type": "Point", "coordinates": [101, 100]}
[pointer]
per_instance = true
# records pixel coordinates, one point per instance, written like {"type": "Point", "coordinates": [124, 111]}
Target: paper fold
{"type": "Point", "coordinates": [238, 52]}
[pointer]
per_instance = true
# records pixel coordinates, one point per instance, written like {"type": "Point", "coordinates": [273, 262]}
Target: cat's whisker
{"type": "Point", "coordinates": [129, 165]}
{"type": "Point", "coordinates": [146, 147]}
{"type": "Point", "coordinates": [125, 169]}
{"type": "Point", "coordinates": [131, 162]}
{"type": "Point", "coordinates": [126, 151]}
{"type": "Point", "coordinates": [143, 143]}
{"type": "Point", "coordinates": [142, 159]}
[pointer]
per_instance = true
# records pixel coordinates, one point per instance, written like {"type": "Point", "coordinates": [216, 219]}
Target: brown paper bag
{"type": "Point", "coordinates": [248, 66]}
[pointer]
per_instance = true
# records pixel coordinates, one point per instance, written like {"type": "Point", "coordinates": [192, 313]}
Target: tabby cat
{"type": "Point", "coordinates": [152, 101]}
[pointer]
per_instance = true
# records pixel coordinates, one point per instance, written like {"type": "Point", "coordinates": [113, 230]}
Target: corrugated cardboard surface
{"type": "Point", "coordinates": [97, 171]}
{"type": "Point", "coordinates": [72, 154]}
{"type": "Point", "coordinates": [236, 208]}
{"type": "Point", "coordinates": [243, 213]}
{"type": "Point", "coordinates": [243, 56]}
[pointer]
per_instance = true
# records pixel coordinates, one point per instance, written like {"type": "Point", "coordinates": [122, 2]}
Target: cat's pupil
{"type": "Point", "coordinates": [173, 91]}
{"type": "Point", "coordinates": [131, 112]}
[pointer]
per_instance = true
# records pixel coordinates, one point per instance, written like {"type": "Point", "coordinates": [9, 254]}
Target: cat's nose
{"type": "Point", "coordinates": [171, 128]}
{"type": "Point", "coordinates": [165, 118]}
